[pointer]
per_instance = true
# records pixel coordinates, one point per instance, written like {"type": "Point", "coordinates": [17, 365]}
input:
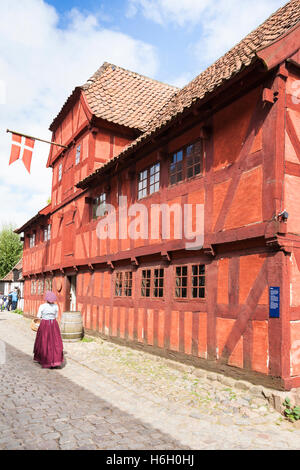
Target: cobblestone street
{"type": "Point", "coordinates": [112, 397]}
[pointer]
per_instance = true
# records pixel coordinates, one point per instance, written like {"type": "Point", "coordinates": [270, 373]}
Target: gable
{"type": "Point", "coordinates": [73, 120]}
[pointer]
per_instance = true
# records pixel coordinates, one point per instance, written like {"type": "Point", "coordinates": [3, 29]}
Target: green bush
{"type": "Point", "coordinates": [18, 311]}
{"type": "Point", "coordinates": [291, 413]}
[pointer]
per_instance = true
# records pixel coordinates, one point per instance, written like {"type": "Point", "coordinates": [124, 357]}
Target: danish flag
{"type": "Point", "coordinates": [22, 147]}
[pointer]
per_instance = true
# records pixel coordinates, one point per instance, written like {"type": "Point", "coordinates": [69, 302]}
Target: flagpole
{"type": "Point", "coordinates": [35, 138]}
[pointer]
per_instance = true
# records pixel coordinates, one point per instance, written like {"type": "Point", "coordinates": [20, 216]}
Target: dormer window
{"type": "Point", "coordinates": [78, 154]}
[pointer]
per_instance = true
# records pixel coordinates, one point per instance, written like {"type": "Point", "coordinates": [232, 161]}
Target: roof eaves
{"type": "Point", "coordinates": [42, 213]}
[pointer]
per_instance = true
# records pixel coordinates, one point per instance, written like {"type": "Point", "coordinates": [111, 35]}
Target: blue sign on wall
{"type": "Point", "coordinates": [274, 302]}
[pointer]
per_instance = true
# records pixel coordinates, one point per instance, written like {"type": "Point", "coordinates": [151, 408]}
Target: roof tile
{"type": "Point", "coordinates": [124, 97]}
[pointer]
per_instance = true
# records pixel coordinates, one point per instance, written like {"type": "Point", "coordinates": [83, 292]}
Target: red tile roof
{"type": "Point", "coordinates": [239, 57]}
{"type": "Point", "coordinates": [122, 97]}
{"type": "Point", "coordinates": [126, 98]}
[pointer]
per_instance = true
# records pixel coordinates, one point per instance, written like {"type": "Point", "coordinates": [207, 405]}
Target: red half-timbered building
{"type": "Point", "coordinates": [229, 140]}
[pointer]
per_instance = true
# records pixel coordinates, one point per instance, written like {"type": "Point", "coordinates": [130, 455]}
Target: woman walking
{"type": "Point", "coordinates": [48, 346]}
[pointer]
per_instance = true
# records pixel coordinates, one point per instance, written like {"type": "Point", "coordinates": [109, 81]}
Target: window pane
{"type": "Point", "coordinates": [202, 293]}
{"type": "Point", "coordinates": [128, 284]}
{"type": "Point", "coordinates": [181, 282]}
{"type": "Point", "coordinates": [189, 150]}
{"type": "Point", "coordinates": [143, 183]}
{"type": "Point", "coordinates": [189, 172]}
{"type": "Point", "coordinates": [198, 281]}
{"type": "Point", "coordinates": [154, 178]}
{"type": "Point", "coordinates": [99, 206]}
{"type": "Point", "coordinates": [158, 282]}
{"type": "Point", "coordinates": [179, 156]}
{"type": "Point", "coordinates": [146, 282]}
{"type": "Point", "coordinates": [172, 179]}
{"type": "Point", "coordinates": [197, 169]}
{"type": "Point", "coordinates": [194, 159]}
{"type": "Point", "coordinates": [176, 166]}
{"type": "Point", "coordinates": [179, 176]}
{"type": "Point", "coordinates": [78, 152]}
{"type": "Point", "coordinates": [118, 285]}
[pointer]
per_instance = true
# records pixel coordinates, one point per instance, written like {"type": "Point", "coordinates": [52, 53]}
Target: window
{"type": "Point", "coordinates": [152, 283]}
{"type": "Point", "coordinates": [198, 281]}
{"type": "Point", "coordinates": [99, 206]}
{"type": "Point", "coordinates": [48, 284]}
{"type": "Point", "coordinates": [33, 287]}
{"type": "Point", "coordinates": [47, 233]}
{"type": "Point", "coordinates": [181, 281]}
{"type": "Point", "coordinates": [78, 153]}
{"type": "Point", "coordinates": [194, 159]}
{"type": "Point", "coordinates": [123, 284]}
{"type": "Point", "coordinates": [186, 163]}
{"type": "Point", "coordinates": [190, 282]}
{"type": "Point", "coordinates": [176, 167]}
{"type": "Point", "coordinates": [41, 287]}
{"type": "Point", "coordinates": [60, 172]}
{"type": "Point", "coordinates": [118, 284]}
{"type": "Point", "coordinates": [32, 240]}
{"type": "Point", "coordinates": [128, 284]}
{"type": "Point", "coordinates": [143, 184]}
{"type": "Point", "coordinates": [158, 281]}
{"type": "Point", "coordinates": [154, 178]}
{"type": "Point", "coordinates": [149, 181]}
{"type": "Point", "coordinates": [146, 283]}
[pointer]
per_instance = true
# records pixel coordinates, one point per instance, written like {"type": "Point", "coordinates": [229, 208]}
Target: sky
{"type": "Point", "coordinates": [49, 47]}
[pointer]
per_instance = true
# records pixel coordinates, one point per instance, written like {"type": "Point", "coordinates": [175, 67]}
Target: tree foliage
{"type": "Point", "coordinates": [10, 249]}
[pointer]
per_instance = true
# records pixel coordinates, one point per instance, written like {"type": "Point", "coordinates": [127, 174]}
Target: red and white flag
{"type": "Point", "coordinates": [22, 147]}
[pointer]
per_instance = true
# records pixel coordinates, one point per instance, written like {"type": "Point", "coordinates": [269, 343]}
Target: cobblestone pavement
{"type": "Point", "coordinates": [112, 397]}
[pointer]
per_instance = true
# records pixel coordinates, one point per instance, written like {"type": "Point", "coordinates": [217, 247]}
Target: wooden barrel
{"type": "Point", "coordinates": [71, 327]}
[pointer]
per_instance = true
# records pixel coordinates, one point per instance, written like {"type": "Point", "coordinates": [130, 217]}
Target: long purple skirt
{"type": "Point", "coordinates": [48, 346]}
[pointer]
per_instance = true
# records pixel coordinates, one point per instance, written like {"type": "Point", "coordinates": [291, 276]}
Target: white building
{"type": "Point", "coordinates": [14, 279]}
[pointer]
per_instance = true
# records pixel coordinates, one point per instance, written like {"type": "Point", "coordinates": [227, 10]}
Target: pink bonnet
{"type": "Point", "coordinates": [50, 296]}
